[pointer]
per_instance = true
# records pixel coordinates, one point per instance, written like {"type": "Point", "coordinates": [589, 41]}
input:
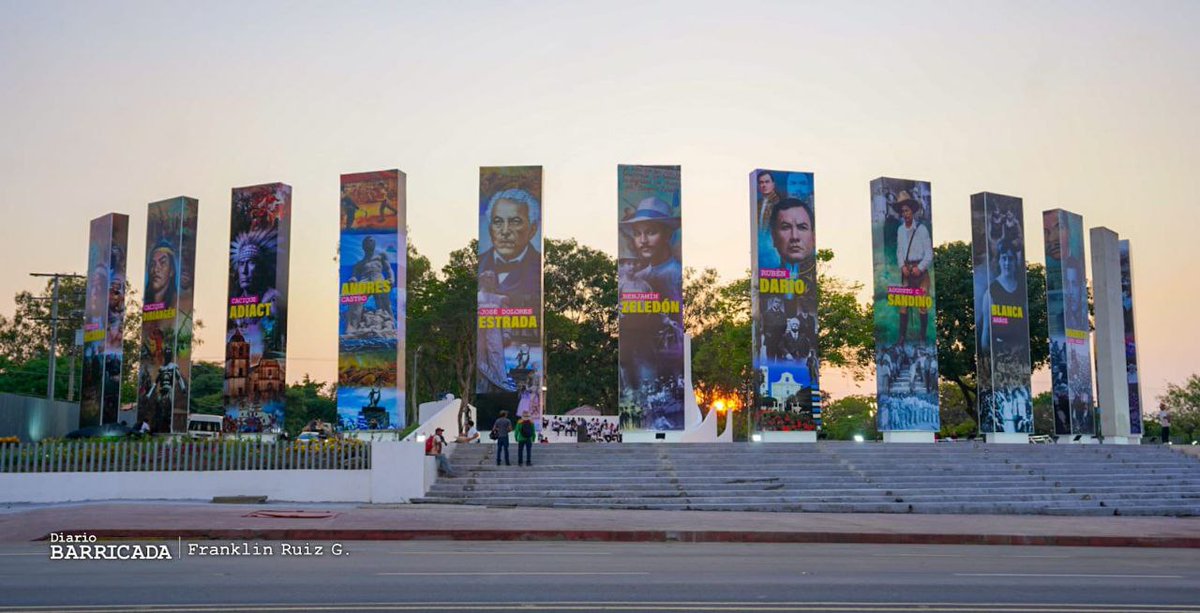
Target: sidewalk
{"type": "Point", "coordinates": [202, 520]}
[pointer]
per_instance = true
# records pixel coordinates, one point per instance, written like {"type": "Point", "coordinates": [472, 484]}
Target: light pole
{"type": "Point", "coordinates": [53, 325]}
{"type": "Point", "coordinates": [413, 402]}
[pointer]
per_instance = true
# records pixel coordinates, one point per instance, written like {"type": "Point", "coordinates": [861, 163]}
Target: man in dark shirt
{"type": "Point", "coordinates": [500, 429]}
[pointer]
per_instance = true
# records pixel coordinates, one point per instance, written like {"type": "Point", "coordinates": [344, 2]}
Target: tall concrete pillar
{"type": "Point", "coordinates": [1112, 387]}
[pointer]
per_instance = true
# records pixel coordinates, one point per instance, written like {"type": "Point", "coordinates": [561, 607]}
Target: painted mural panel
{"type": "Point", "coordinates": [1131, 357]}
{"type": "Point", "coordinates": [1067, 316]}
{"type": "Point", "coordinates": [509, 347]}
{"type": "Point", "coordinates": [104, 320]}
{"type": "Point", "coordinates": [372, 266]}
{"type": "Point", "coordinates": [1001, 323]}
{"type": "Point", "coordinates": [905, 311]}
{"type": "Point", "coordinates": [256, 323]}
{"type": "Point", "coordinates": [650, 289]}
{"type": "Point", "coordinates": [784, 299]}
{"type": "Point", "coordinates": [164, 378]}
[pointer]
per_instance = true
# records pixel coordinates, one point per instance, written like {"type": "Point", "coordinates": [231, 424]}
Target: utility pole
{"type": "Point", "coordinates": [413, 395]}
{"type": "Point", "coordinates": [53, 324]}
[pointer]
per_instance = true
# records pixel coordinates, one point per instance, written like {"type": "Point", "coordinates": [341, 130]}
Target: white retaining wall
{"type": "Point", "coordinates": [399, 471]}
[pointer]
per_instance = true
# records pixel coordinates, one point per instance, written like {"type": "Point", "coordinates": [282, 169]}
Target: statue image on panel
{"type": "Point", "coordinates": [650, 289]}
{"type": "Point", "coordinates": [372, 266]}
{"type": "Point", "coordinates": [256, 324]}
{"type": "Point", "coordinates": [905, 315]}
{"type": "Point", "coordinates": [1131, 358]}
{"type": "Point", "coordinates": [784, 299]}
{"type": "Point", "coordinates": [509, 352]}
{"type": "Point", "coordinates": [104, 320]}
{"type": "Point", "coordinates": [164, 377]}
{"type": "Point", "coordinates": [1001, 327]}
{"type": "Point", "coordinates": [1067, 317]}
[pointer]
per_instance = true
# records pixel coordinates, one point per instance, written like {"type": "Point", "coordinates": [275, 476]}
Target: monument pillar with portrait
{"type": "Point", "coordinates": [1004, 406]}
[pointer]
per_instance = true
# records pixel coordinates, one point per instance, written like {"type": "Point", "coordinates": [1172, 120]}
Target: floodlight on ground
{"type": "Point", "coordinates": [421, 438]}
{"type": "Point", "coordinates": [858, 438]}
{"type": "Point", "coordinates": [757, 438]}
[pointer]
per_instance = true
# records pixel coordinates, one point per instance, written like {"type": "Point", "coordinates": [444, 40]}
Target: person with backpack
{"type": "Point", "coordinates": [525, 436]}
{"type": "Point", "coordinates": [435, 446]}
{"type": "Point", "coordinates": [500, 429]}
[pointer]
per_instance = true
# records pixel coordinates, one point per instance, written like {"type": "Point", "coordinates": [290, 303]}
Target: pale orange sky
{"type": "Point", "coordinates": [1089, 106]}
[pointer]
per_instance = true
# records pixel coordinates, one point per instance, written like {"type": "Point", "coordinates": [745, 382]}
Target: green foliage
{"type": "Point", "coordinates": [847, 327]}
{"type": "Point", "coordinates": [850, 415]}
{"type": "Point", "coordinates": [958, 418]}
{"type": "Point", "coordinates": [1182, 403]}
{"type": "Point", "coordinates": [306, 401]}
{"type": "Point", "coordinates": [441, 325]}
{"type": "Point", "coordinates": [208, 385]}
{"type": "Point", "coordinates": [1043, 414]}
{"type": "Point", "coordinates": [580, 290]}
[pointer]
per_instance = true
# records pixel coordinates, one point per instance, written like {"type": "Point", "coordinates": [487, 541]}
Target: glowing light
{"type": "Point", "coordinates": [756, 438]}
{"type": "Point", "coordinates": [719, 406]}
{"type": "Point", "coordinates": [858, 438]}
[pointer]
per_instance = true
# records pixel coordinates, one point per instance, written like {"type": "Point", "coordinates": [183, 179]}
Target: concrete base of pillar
{"type": "Point", "coordinates": [1122, 440]}
{"type": "Point", "coordinates": [808, 436]}
{"type": "Point", "coordinates": [908, 437]}
{"type": "Point", "coordinates": [1069, 439]}
{"type": "Point", "coordinates": [673, 436]}
{"type": "Point", "coordinates": [1007, 438]}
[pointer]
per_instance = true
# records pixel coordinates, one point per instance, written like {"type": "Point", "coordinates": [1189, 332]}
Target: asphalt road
{"type": "Point", "coordinates": [539, 576]}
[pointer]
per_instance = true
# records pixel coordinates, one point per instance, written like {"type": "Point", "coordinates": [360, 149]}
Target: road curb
{"type": "Point", "coordinates": [647, 536]}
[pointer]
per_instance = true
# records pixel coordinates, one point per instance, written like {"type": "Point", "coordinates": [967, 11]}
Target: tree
{"type": "Point", "coordinates": [442, 322]}
{"type": "Point", "coordinates": [580, 320]}
{"type": "Point", "coordinates": [1182, 403]}
{"type": "Point", "coordinates": [848, 416]}
{"type": "Point", "coordinates": [957, 417]}
{"type": "Point", "coordinates": [1043, 414]}
{"type": "Point", "coordinates": [956, 317]}
{"type": "Point", "coordinates": [306, 401]}
{"type": "Point", "coordinates": [208, 388]}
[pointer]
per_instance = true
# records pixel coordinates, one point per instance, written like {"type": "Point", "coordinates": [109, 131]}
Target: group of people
{"type": "Point", "coordinates": [1010, 410]}
{"type": "Point", "coordinates": [523, 431]}
{"type": "Point", "coordinates": [600, 430]}
{"type": "Point", "coordinates": [908, 369]}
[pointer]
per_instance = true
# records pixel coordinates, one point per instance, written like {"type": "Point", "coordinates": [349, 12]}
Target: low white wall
{"type": "Point", "coordinates": [399, 472]}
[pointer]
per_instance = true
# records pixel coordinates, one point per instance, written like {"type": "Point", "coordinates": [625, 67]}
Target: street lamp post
{"type": "Point", "coordinates": [413, 402]}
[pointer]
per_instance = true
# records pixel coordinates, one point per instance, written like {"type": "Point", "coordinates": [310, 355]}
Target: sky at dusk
{"type": "Point", "coordinates": [1087, 106]}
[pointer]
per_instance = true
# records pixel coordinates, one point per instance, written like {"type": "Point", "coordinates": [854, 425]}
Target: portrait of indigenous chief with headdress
{"type": "Point", "coordinates": [1005, 404]}
{"type": "Point", "coordinates": [104, 318]}
{"type": "Point", "coordinates": [166, 351]}
{"type": "Point", "coordinates": [371, 302]}
{"type": "Point", "coordinates": [1069, 329]}
{"type": "Point", "coordinates": [905, 340]}
{"type": "Point", "coordinates": [650, 288]}
{"type": "Point", "coordinates": [256, 324]}
{"type": "Point", "coordinates": [509, 346]}
{"type": "Point", "coordinates": [784, 299]}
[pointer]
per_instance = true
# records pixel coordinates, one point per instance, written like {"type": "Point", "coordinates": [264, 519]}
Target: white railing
{"type": "Point", "coordinates": [157, 455]}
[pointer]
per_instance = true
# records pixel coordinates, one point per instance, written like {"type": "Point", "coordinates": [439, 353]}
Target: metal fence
{"type": "Point", "coordinates": [154, 455]}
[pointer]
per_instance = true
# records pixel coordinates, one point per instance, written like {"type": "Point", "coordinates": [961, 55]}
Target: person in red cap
{"type": "Point", "coordinates": [435, 446]}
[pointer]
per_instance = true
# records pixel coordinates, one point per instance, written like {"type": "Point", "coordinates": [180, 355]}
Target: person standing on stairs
{"type": "Point", "coordinates": [526, 434]}
{"type": "Point", "coordinates": [500, 429]}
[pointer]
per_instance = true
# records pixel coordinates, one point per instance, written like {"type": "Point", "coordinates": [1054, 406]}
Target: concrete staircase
{"type": "Point", "coordinates": [832, 477]}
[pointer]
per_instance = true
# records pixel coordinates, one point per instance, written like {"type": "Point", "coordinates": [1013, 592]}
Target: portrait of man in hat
{"type": "Point", "coordinates": [649, 233]}
{"type": "Point", "coordinates": [914, 255]}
